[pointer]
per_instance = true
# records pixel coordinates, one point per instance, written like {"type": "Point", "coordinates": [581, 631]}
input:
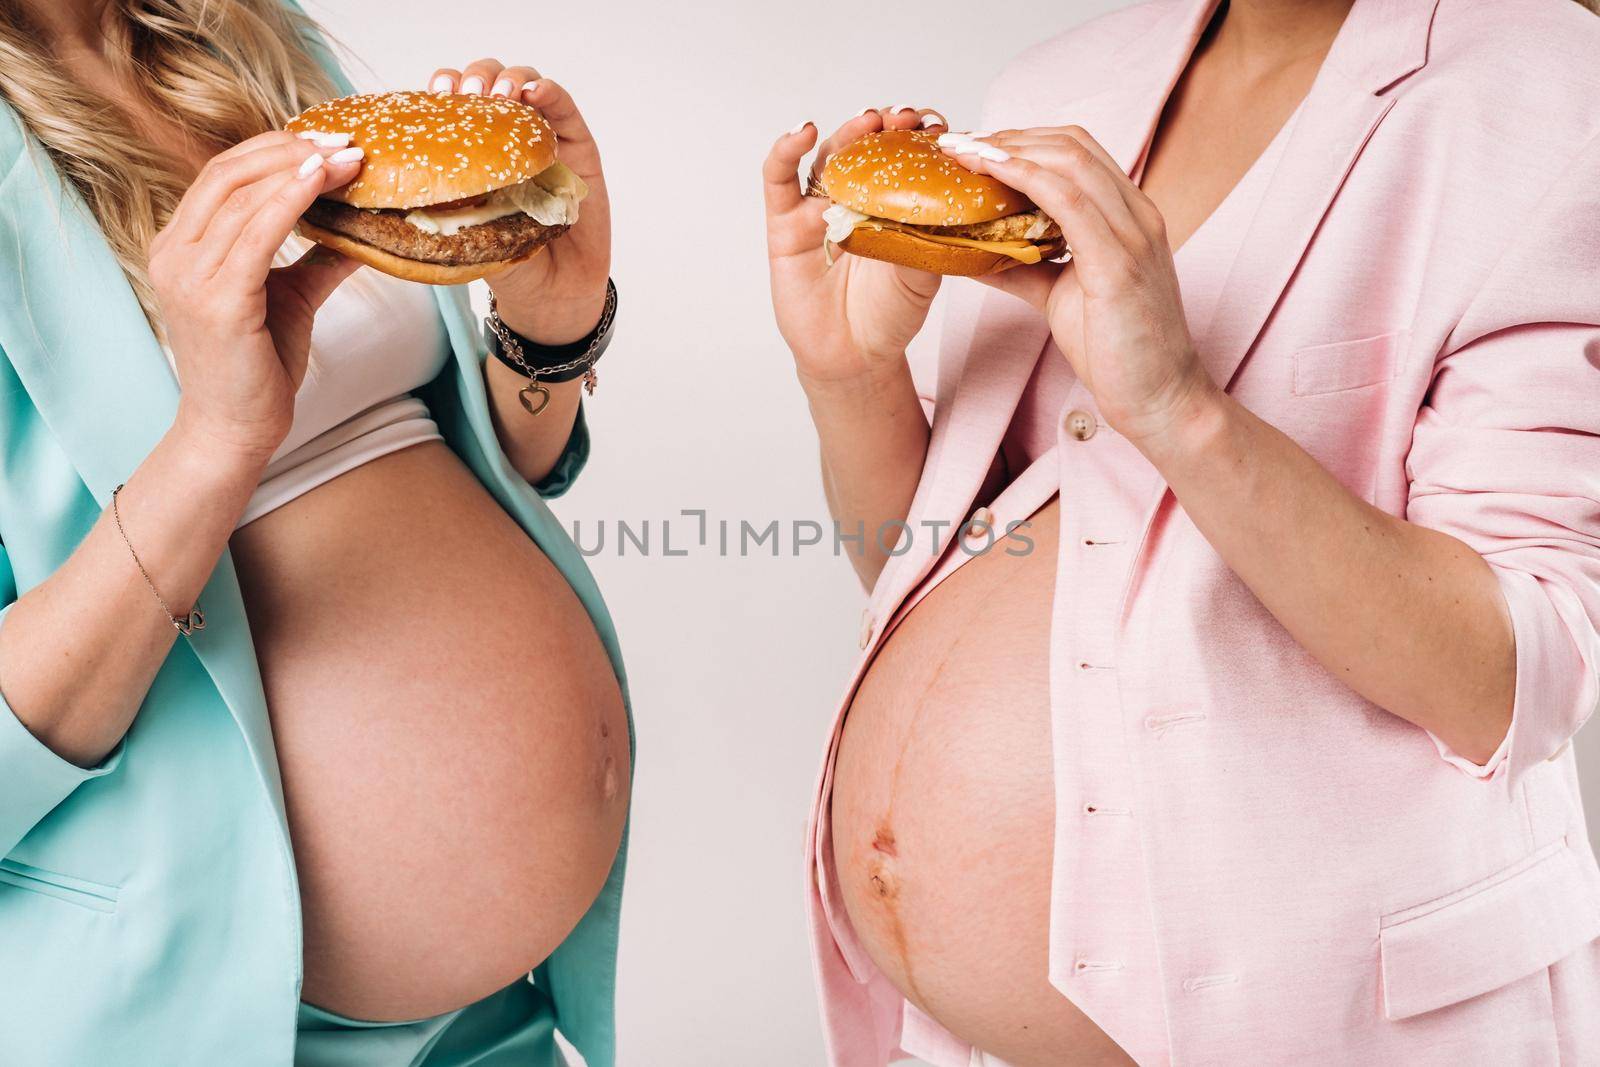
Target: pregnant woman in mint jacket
{"type": "Point", "coordinates": [372, 811]}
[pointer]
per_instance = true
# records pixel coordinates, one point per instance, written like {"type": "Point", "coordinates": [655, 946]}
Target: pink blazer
{"type": "Point", "coordinates": [1297, 876]}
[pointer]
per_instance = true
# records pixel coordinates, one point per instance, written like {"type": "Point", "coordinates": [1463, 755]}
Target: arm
{"type": "Point", "coordinates": [848, 326]}
{"type": "Point", "coordinates": [1410, 618]}
{"type": "Point", "coordinates": [873, 437]}
{"type": "Point", "coordinates": [1476, 622]}
{"type": "Point", "coordinates": [557, 296]}
{"type": "Point", "coordinates": [533, 444]}
{"type": "Point", "coordinates": [79, 651]}
{"type": "Point", "coordinates": [1473, 617]}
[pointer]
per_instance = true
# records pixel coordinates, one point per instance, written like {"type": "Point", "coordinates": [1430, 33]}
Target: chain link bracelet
{"type": "Point", "coordinates": [512, 350]}
{"type": "Point", "coordinates": [191, 622]}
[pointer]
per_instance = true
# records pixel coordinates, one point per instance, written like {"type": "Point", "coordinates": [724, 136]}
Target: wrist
{"type": "Point", "coordinates": [1194, 427]}
{"type": "Point", "coordinates": [215, 452]}
{"type": "Point", "coordinates": [547, 322]}
{"type": "Point", "coordinates": [866, 385]}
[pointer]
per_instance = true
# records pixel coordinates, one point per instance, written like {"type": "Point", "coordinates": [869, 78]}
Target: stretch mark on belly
{"type": "Point", "coordinates": [609, 779]}
{"type": "Point", "coordinates": [881, 878]}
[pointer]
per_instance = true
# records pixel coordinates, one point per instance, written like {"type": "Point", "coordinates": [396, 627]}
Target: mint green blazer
{"type": "Point", "coordinates": [149, 912]}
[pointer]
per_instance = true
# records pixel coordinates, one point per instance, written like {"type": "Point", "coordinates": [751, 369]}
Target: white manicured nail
{"type": "Point", "coordinates": [902, 107]}
{"type": "Point", "coordinates": [993, 154]}
{"type": "Point", "coordinates": [310, 166]}
{"type": "Point", "coordinates": [324, 140]}
{"type": "Point", "coordinates": [799, 127]}
{"type": "Point", "coordinates": [933, 118]}
{"type": "Point", "coordinates": [966, 148]}
{"type": "Point", "coordinates": [441, 84]}
{"type": "Point", "coordinates": [347, 155]}
{"type": "Point", "coordinates": [502, 87]}
{"type": "Point", "coordinates": [947, 140]}
{"type": "Point", "coordinates": [472, 85]}
{"type": "Point", "coordinates": [864, 111]}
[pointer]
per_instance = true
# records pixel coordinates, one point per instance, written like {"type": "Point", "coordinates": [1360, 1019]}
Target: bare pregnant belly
{"type": "Point", "coordinates": [944, 809]}
{"type": "Point", "coordinates": [451, 734]}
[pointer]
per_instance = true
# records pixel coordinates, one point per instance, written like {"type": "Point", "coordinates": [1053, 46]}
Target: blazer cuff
{"type": "Point", "coordinates": [573, 459]}
{"type": "Point", "coordinates": [1556, 687]}
{"type": "Point", "coordinates": [33, 778]}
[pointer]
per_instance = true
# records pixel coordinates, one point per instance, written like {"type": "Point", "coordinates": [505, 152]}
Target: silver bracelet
{"type": "Point", "coordinates": [191, 622]}
{"type": "Point", "coordinates": [508, 348]}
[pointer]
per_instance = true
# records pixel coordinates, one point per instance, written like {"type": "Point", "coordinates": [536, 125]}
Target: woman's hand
{"type": "Point", "coordinates": [1114, 309]}
{"type": "Point", "coordinates": [239, 329]}
{"type": "Point", "coordinates": [851, 319]}
{"type": "Point", "coordinates": [556, 297]}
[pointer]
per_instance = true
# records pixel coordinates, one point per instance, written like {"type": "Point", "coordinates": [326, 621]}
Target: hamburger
{"type": "Point", "coordinates": [452, 186]}
{"type": "Point", "coordinates": [898, 198]}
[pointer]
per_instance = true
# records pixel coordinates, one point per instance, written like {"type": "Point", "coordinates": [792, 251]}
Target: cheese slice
{"type": "Point", "coordinates": [550, 197]}
{"type": "Point", "coordinates": [1021, 251]}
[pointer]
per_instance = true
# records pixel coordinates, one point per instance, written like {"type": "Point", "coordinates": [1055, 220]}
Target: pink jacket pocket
{"type": "Point", "coordinates": [1349, 364]}
{"type": "Point", "coordinates": [1486, 935]}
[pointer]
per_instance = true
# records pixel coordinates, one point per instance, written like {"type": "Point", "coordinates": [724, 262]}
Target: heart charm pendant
{"type": "Point", "coordinates": [535, 398]}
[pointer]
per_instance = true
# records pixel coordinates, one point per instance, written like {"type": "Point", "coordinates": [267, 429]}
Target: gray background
{"type": "Point", "coordinates": [735, 663]}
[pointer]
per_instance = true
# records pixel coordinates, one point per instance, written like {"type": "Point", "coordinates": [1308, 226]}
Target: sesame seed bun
{"type": "Point", "coordinates": [902, 175]}
{"type": "Point", "coordinates": [432, 148]}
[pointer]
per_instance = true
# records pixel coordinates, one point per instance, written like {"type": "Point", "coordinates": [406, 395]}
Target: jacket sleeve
{"type": "Point", "coordinates": [573, 459]}
{"type": "Point", "coordinates": [33, 779]}
{"type": "Point", "coordinates": [1506, 457]}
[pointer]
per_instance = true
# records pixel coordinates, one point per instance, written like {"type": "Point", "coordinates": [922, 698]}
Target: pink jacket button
{"type": "Point", "coordinates": [1081, 425]}
{"type": "Point", "coordinates": [981, 526]}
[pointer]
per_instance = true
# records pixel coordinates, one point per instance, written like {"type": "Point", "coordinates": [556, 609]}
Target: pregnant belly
{"type": "Point", "coordinates": [451, 735]}
{"type": "Point", "coordinates": [943, 810]}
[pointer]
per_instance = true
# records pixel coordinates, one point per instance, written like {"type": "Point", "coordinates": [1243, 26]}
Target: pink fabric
{"type": "Point", "coordinates": [1414, 297]}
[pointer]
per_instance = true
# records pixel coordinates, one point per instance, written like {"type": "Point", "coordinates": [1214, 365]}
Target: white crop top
{"type": "Point", "coordinates": [376, 339]}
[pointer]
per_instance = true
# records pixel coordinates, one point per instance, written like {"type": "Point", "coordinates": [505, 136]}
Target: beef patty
{"type": "Point", "coordinates": [510, 237]}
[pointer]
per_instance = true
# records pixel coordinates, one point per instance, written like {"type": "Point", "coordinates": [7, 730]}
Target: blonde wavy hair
{"type": "Point", "coordinates": [223, 70]}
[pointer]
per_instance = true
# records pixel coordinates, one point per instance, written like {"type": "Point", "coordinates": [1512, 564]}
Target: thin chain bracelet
{"type": "Point", "coordinates": [187, 625]}
{"type": "Point", "coordinates": [535, 396]}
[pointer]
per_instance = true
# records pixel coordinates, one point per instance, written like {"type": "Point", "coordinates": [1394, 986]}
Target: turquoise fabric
{"type": "Point", "coordinates": [512, 1028]}
{"type": "Point", "coordinates": [149, 912]}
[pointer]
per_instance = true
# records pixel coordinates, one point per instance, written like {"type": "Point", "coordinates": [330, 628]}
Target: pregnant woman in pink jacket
{"type": "Point", "coordinates": [1252, 747]}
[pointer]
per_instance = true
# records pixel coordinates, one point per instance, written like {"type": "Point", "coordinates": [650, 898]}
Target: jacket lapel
{"type": "Point", "coordinates": [991, 342]}
{"type": "Point", "coordinates": [79, 342]}
{"type": "Point", "coordinates": [1124, 118]}
{"type": "Point", "coordinates": [989, 347]}
{"type": "Point", "coordinates": [1381, 42]}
